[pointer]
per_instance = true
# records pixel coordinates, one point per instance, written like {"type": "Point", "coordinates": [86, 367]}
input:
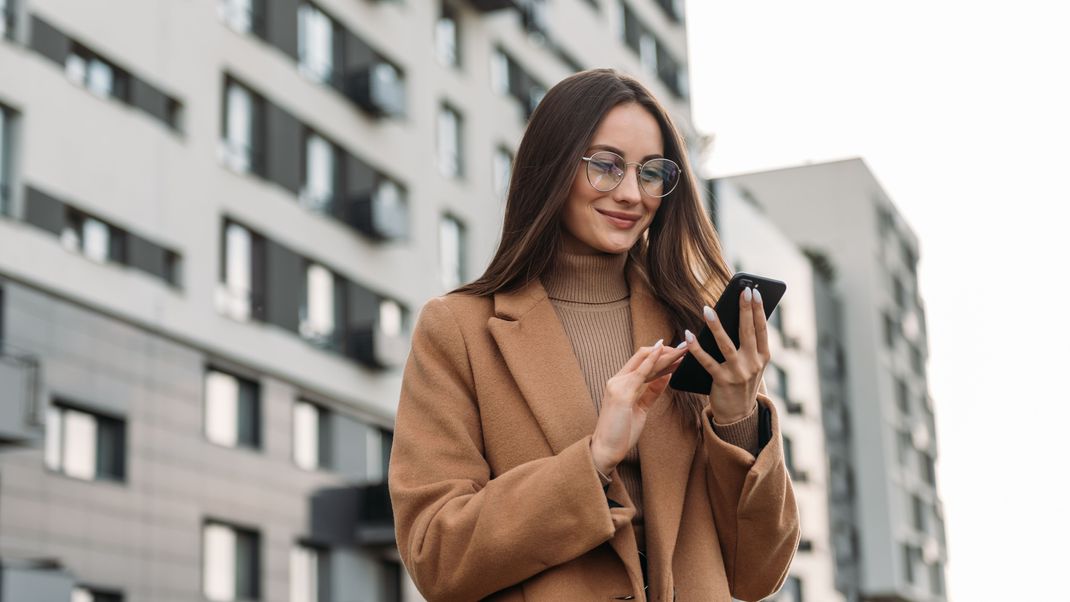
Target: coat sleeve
{"type": "Point", "coordinates": [462, 534]}
{"type": "Point", "coordinates": [754, 509]}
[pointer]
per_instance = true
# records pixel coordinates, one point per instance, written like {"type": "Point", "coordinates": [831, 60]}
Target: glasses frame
{"type": "Point", "coordinates": [587, 171]}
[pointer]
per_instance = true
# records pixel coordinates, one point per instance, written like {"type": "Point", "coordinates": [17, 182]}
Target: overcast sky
{"type": "Point", "coordinates": [961, 110]}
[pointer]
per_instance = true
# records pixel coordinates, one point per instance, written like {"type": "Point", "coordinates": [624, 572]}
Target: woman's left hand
{"type": "Point", "coordinates": [736, 381]}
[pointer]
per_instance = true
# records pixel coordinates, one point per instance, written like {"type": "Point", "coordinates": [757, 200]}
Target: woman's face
{"type": "Point", "coordinates": [632, 132]}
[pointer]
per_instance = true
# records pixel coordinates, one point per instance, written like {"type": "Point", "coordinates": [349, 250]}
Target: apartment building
{"type": "Point", "coordinates": [218, 220]}
{"type": "Point", "coordinates": [887, 522]}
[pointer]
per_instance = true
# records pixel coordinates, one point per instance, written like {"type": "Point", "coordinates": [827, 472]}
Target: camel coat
{"type": "Point", "coordinates": [495, 494]}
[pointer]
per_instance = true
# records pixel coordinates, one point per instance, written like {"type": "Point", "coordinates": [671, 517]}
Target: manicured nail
{"type": "Point", "coordinates": [682, 345]}
{"type": "Point", "coordinates": [708, 312]}
{"type": "Point", "coordinates": [658, 344]}
{"type": "Point", "coordinates": [690, 337]}
{"type": "Point", "coordinates": [757, 296]}
{"type": "Point", "coordinates": [746, 294]}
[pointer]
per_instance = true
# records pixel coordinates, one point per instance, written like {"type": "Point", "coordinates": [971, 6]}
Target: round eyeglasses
{"type": "Point", "coordinates": [657, 177]}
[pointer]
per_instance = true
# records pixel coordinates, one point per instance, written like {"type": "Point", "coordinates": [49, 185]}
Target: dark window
{"type": "Point", "coordinates": [917, 361]}
{"type": "Point", "coordinates": [509, 78]}
{"type": "Point", "coordinates": [891, 328]}
{"type": "Point", "coordinates": [936, 577]}
{"type": "Point", "coordinates": [905, 446]}
{"type": "Point", "coordinates": [94, 238]}
{"type": "Point", "coordinates": [390, 572]}
{"type": "Point", "coordinates": [793, 590]}
{"type": "Point", "coordinates": [7, 19]}
{"type": "Point", "coordinates": [85, 593]}
{"type": "Point", "coordinates": [242, 274]}
{"type": "Point", "coordinates": [673, 9]}
{"type": "Point", "coordinates": [805, 545]}
{"type": "Point", "coordinates": [902, 395]}
{"type": "Point", "coordinates": [928, 468]}
{"type": "Point", "coordinates": [6, 151]}
{"type": "Point", "coordinates": [85, 444]}
{"type": "Point", "coordinates": [789, 456]}
{"type": "Point", "coordinates": [311, 435]}
{"type": "Point", "coordinates": [450, 141]}
{"type": "Point", "coordinates": [231, 410]}
{"type": "Point", "coordinates": [900, 293]}
{"type": "Point", "coordinates": [917, 507]}
{"type": "Point", "coordinates": [246, 16]}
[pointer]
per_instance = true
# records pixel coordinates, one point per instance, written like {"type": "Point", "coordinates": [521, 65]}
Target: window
{"type": "Point", "coordinates": [244, 16]}
{"type": "Point", "coordinates": [905, 446]}
{"type": "Point", "coordinates": [890, 330]}
{"type": "Point", "coordinates": [241, 293]}
{"type": "Point", "coordinates": [231, 563]}
{"type": "Point", "coordinates": [778, 383]}
{"type": "Point", "coordinates": [917, 506]}
{"type": "Point", "coordinates": [97, 75]}
{"type": "Point", "coordinates": [243, 115]}
{"type": "Point", "coordinates": [322, 160]}
{"type": "Point", "coordinates": [928, 468]}
{"type": "Point", "coordinates": [502, 171]}
{"type": "Point", "coordinates": [390, 588]}
{"type": "Point", "coordinates": [902, 395]}
{"type": "Point", "coordinates": [673, 9]}
{"type": "Point", "coordinates": [93, 238]}
{"type": "Point", "coordinates": [390, 317]}
{"type": "Point", "coordinates": [789, 457]}
{"type": "Point", "coordinates": [231, 410]}
{"type": "Point", "coordinates": [5, 158]}
{"type": "Point", "coordinates": [917, 361]}
{"type": "Point", "coordinates": [793, 590]}
{"type": "Point", "coordinates": [7, 19]}
{"type": "Point", "coordinates": [319, 315]}
{"type": "Point", "coordinates": [83, 593]}
{"type": "Point", "coordinates": [449, 142]}
{"type": "Point", "coordinates": [317, 44]}
{"type": "Point", "coordinates": [508, 78]}
{"type": "Point", "coordinates": [899, 293]}
{"type": "Point", "coordinates": [85, 445]}
{"type": "Point", "coordinates": [312, 440]}
{"type": "Point", "coordinates": [451, 251]}
{"type": "Point", "coordinates": [308, 574]}
{"type": "Point", "coordinates": [447, 37]}
{"type": "Point", "coordinates": [911, 557]}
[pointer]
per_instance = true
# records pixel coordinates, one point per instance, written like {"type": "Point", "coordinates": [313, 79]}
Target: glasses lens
{"type": "Point", "coordinates": [659, 176]}
{"type": "Point", "coordinates": [605, 170]}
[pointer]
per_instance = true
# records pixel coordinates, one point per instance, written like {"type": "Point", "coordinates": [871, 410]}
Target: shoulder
{"type": "Point", "coordinates": [452, 314]}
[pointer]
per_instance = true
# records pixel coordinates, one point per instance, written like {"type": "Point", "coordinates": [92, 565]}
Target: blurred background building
{"type": "Point", "coordinates": [887, 524]}
{"type": "Point", "coordinates": [217, 222]}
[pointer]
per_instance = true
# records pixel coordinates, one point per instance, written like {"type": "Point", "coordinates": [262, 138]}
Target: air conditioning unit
{"type": "Point", "coordinates": [381, 213]}
{"type": "Point", "coordinates": [377, 88]}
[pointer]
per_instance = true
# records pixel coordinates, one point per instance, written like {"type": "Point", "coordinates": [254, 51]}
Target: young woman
{"type": "Point", "coordinates": [538, 454]}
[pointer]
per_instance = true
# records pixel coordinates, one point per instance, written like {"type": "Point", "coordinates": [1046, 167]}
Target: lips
{"type": "Point", "coordinates": [621, 219]}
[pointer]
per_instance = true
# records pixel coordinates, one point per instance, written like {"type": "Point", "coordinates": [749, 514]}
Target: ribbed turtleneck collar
{"type": "Point", "coordinates": [597, 278]}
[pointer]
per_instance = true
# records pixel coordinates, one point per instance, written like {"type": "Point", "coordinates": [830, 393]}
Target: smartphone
{"type": "Point", "coordinates": [690, 375]}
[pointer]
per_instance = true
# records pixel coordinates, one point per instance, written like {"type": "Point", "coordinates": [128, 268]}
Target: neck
{"type": "Point", "coordinates": [587, 278]}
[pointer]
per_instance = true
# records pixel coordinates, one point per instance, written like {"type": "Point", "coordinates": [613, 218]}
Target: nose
{"type": "Point", "coordinates": [628, 189]}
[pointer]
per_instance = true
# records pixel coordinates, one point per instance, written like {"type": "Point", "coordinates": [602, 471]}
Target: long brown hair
{"type": "Point", "coordinates": [679, 255]}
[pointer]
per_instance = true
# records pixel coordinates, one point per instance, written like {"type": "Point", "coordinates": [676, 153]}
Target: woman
{"type": "Point", "coordinates": [538, 454]}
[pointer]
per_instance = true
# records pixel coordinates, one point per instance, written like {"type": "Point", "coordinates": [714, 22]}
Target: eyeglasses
{"type": "Point", "coordinates": [657, 177]}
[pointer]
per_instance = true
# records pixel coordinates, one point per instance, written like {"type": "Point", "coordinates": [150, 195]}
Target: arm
{"type": "Point", "coordinates": [754, 508]}
{"type": "Point", "coordinates": [461, 534]}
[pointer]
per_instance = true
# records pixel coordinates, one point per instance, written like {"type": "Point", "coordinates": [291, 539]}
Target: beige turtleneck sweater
{"type": "Point", "coordinates": [591, 297]}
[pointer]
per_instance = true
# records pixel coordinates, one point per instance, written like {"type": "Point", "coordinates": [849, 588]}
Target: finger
{"type": "Point", "coordinates": [720, 336]}
{"type": "Point", "coordinates": [647, 367]}
{"type": "Point", "coordinates": [668, 370]}
{"type": "Point", "coordinates": [637, 358]}
{"type": "Point", "coordinates": [668, 356]}
{"type": "Point", "coordinates": [704, 359]}
{"type": "Point", "coordinates": [746, 322]}
{"type": "Point", "coordinates": [761, 328]}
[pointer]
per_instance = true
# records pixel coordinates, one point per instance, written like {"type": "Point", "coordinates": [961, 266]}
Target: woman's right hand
{"type": "Point", "coordinates": [626, 401]}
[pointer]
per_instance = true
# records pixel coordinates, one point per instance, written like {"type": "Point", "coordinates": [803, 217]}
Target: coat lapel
{"type": "Point", "coordinates": [666, 448]}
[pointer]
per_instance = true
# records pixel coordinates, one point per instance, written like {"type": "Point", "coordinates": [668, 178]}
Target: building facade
{"type": "Point", "coordinates": [755, 245]}
{"type": "Point", "coordinates": [218, 220]}
{"type": "Point", "coordinates": [887, 524]}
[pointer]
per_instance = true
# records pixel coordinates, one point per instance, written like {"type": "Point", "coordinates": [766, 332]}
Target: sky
{"type": "Point", "coordinates": [962, 111]}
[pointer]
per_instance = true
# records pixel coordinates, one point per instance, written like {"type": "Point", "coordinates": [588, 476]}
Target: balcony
{"type": "Point", "coordinates": [374, 347]}
{"type": "Point", "coordinates": [380, 213]}
{"type": "Point", "coordinates": [20, 413]}
{"type": "Point", "coordinates": [358, 515]}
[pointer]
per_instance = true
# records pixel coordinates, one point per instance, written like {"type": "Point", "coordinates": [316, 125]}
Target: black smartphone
{"type": "Point", "coordinates": [690, 375]}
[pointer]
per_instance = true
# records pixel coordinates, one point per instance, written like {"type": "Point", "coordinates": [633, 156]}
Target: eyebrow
{"type": "Point", "coordinates": [621, 153]}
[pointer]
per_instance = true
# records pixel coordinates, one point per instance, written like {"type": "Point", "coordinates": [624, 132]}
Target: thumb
{"type": "Point", "coordinates": [653, 390]}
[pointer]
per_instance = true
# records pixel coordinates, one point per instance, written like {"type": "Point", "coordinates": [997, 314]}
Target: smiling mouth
{"type": "Point", "coordinates": [619, 221]}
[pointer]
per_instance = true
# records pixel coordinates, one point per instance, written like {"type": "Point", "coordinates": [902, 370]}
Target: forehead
{"type": "Point", "coordinates": [631, 129]}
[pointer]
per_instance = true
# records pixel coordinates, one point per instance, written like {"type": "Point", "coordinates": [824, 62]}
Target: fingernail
{"type": "Point", "coordinates": [682, 345]}
{"type": "Point", "coordinates": [658, 344]}
{"type": "Point", "coordinates": [708, 312]}
{"type": "Point", "coordinates": [757, 296]}
{"type": "Point", "coordinates": [746, 294]}
{"type": "Point", "coordinates": [690, 337]}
